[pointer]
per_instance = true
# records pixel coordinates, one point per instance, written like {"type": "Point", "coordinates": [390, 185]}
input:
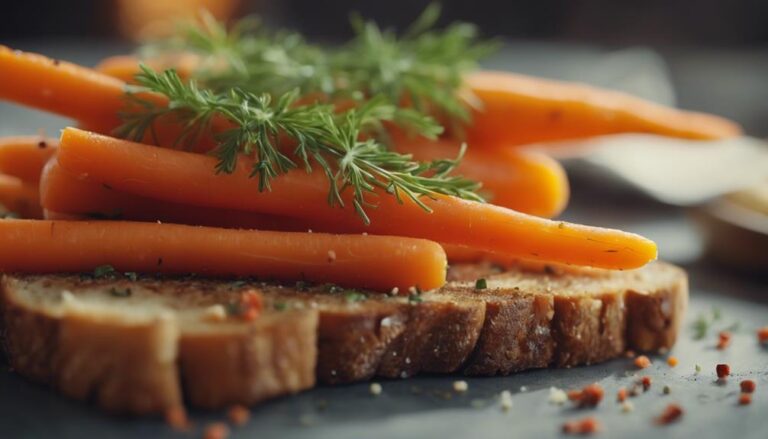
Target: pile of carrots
{"type": "Point", "coordinates": [90, 199]}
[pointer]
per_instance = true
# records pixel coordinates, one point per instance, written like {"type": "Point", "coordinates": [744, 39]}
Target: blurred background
{"type": "Point", "coordinates": [703, 55]}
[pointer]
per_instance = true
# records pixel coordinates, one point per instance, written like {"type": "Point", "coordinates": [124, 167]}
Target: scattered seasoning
{"type": "Point", "coordinates": [505, 400]}
{"type": "Point", "coordinates": [762, 335]}
{"type": "Point", "coordinates": [584, 426]}
{"type": "Point", "coordinates": [415, 298]}
{"type": "Point", "coordinates": [697, 368]}
{"type": "Point", "coordinates": [672, 361]}
{"type": "Point", "coordinates": [460, 386]}
{"type": "Point", "coordinates": [120, 292]}
{"type": "Point", "coordinates": [216, 430]}
{"type": "Point", "coordinates": [375, 389]}
{"type": "Point", "coordinates": [723, 370]}
{"type": "Point", "coordinates": [481, 284]}
{"type": "Point", "coordinates": [745, 399]}
{"type": "Point", "coordinates": [747, 386]}
{"type": "Point", "coordinates": [176, 418]}
{"type": "Point", "coordinates": [671, 414]}
{"type": "Point", "coordinates": [667, 390]}
{"type": "Point", "coordinates": [280, 306]}
{"type": "Point", "coordinates": [627, 406]}
{"type": "Point", "coordinates": [557, 396]}
{"type": "Point", "coordinates": [103, 271]}
{"type": "Point", "coordinates": [724, 340]}
{"type": "Point", "coordinates": [642, 362]}
{"type": "Point", "coordinates": [238, 415]}
{"type": "Point", "coordinates": [621, 396]}
{"type": "Point", "coordinates": [131, 275]}
{"type": "Point", "coordinates": [252, 304]}
{"type": "Point", "coordinates": [645, 382]}
{"type": "Point", "coordinates": [589, 396]}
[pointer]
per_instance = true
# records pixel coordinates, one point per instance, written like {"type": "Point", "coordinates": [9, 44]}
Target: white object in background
{"type": "Point", "coordinates": [677, 171]}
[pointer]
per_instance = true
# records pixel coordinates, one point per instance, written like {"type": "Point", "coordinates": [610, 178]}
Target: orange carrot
{"type": "Point", "coordinates": [19, 197]}
{"type": "Point", "coordinates": [376, 262]}
{"type": "Point", "coordinates": [24, 156]}
{"type": "Point", "coordinates": [125, 67]}
{"type": "Point", "coordinates": [518, 110]}
{"type": "Point", "coordinates": [525, 181]}
{"type": "Point", "coordinates": [65, 196]}
{"type": "Point", "coordinates": [188, 178]}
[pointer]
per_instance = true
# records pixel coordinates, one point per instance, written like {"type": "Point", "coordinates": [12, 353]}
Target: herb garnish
{"type": "Point", "coordinates": [481, 284]}
{"type": "Point", "coordinates": [104, 271]}
{"type": "Point", "coordinates": [264, 74]}
{"type": "Point", "coordinates": [355, 296]}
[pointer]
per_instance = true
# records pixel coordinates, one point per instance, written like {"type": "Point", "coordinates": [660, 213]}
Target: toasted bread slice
{"type": "Point", "coordinates": [132, 346]}
{"type": "Point", "coordinates": [526, 317]}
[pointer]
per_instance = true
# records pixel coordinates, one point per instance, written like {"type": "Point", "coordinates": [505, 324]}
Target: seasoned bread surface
{"type": "Point", "coordinates": [172, 340]}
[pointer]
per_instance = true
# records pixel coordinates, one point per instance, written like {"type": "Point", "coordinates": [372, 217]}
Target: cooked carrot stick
{"type": "Point", "coordinates": [24, 156]}
{"type": "Point", "coordinates": [375, 262]}
{"type": "Point", "coordinates": [19, 197]}
{"type": "Point", "coordinates": [125, 67]}
{"type": "Point", "coordinates": [65, 195]}
{"type": "Point", "coordinates": [187, 178]}
{"type": "Point", "coordinates": [525, 181]}
{"type": "Point", "coordinates": [519, 109]}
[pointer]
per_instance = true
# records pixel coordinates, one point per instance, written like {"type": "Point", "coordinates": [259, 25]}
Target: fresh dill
{"type": "Point", "coordinates": [258, 82]}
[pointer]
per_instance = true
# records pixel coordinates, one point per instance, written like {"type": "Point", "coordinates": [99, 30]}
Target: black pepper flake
{"type": "Point", "coordinates": [42, 145]}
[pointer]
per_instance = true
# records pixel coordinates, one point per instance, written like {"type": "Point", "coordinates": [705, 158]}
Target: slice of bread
{"type": "Point", "coordinates": [170, 338]}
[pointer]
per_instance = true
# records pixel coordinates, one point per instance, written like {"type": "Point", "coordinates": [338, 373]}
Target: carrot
{"type": "Point", "coordinates": [65, 196]}
{"type": "Point", "coordinates": [24, 156]}
{"type": "Point", "coordinates": [525, 181]}
{"type": "Point", "coordinates": [375, 262]}
{"type": "Point", "coordinates": [19, 197]}
{"type": "Point", "coordinates": [518, 110]}
{"type": "Point", "coordinates": [125, 67]}
{"type": "Point", "coordinates": [188, 178]}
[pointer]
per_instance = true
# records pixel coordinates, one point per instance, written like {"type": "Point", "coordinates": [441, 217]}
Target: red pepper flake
{"type": "Point", "coordinates": [238, 415]}
{"type": "Point", "coordinates": [589, 396]}
{"type": "Point", "coordinates": [585, 426]}
{"type": "Point", "coordinates": [621, 396]}
{"type": "Point", "coordinates": [646, 382]}
{"type": "Point", "coordinates": [672, 361]}
{"type": "Point", "coordinates": [724, 340]}
{"type": "Point", "coordinates": [251, 304]}
{"type": "Point", "coordinates": [723, 370]}
{"type": "Point", "coordinates": [745, 399]}
{"type": "Point", "coordinates": [176, 418]}
{"type": "Point", "coordinates": [216, 430]}
{"type": "Point", "coordinates": [762, 335]}
{"type": "Point", "coordinates": [747, 386]}
{"type": "Point", "coordinates": [642, 362]}
{"type": "Point", "coordinates": [672, 413]}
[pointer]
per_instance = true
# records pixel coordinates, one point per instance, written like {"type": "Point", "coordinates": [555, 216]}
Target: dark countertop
{"type": "Point", "coordinates": [418, 407]}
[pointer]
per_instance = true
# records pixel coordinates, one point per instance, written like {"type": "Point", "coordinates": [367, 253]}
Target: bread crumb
{"type": "Point", "coordinates": [505, 400]}
{"type": "Point", "coordinates": [627, 406]}
{"type": "Point", "coordinates": [176, 418]}
{"type": "Point", "coordinates": [557, 396]}
{"type": "Point", "coordinates": [642, 362]}
{"type": "Point", "coordinates": [215, 313]}
{"type": "Point", "coordinates": [460, 386]}
{"type": "Point", "coordinates": [216, 430]}
{"type": "Point", "coordinates": [375, 389]}
{"type": "Point", "coordinates": [239, 415]}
